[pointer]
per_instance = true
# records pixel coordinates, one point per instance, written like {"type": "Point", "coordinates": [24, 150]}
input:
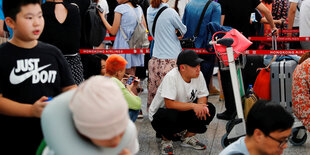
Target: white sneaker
{"type": "Point", "coordinates": [193, 143]}
{"type": "Point", "coordinates": [166, 147]}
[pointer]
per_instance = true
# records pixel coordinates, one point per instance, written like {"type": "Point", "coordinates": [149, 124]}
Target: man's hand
{"type": "Point", "coordinates": [201, 110]}
{"type": "Point", "coordinates": [274, 31]}
{"type": "Point", "coordinates": [38, 106]}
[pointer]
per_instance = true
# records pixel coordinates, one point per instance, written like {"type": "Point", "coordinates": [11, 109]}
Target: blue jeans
{"type": "Point", "coordinates": [133, 114]}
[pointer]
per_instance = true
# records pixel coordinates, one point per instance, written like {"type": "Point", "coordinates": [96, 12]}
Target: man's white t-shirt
{"type": "Point", "coordinates": [173, 87]}
{"type": "Point", "coordinates": [304, 24]}
{"type": "Point", "coordinates": [296, 20]}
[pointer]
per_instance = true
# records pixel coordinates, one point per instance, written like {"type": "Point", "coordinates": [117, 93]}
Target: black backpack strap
{"type": "Point", "coordinates": [201, 18]}
{"type": "Point", "coordinates": [156, 17]}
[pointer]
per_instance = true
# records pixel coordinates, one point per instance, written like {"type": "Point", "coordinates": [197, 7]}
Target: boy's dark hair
{"type": "Point", "coordinates": [12, 7]}
{"type": "Point", "coordinates": [268, 117]}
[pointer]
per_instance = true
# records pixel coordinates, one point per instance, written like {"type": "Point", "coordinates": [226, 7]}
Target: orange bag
{"type": "Point", "coordinates": [262, 84]}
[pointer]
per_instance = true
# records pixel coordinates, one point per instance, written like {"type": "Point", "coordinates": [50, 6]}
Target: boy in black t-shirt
{"type": "Point", "coordinates": [30, 71]}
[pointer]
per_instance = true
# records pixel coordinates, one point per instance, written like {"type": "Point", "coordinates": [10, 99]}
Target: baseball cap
{"type": "Point", "coordinates": [189, 57]}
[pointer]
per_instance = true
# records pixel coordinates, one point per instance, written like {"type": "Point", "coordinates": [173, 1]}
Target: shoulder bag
{"type": "Point", "coordinates": [190, 42]}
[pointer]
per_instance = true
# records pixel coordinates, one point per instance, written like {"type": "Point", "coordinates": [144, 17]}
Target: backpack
{"type": "Point", "coordinates": [94, 29]}
{"type": "Point", "coordinates": [139, 38]}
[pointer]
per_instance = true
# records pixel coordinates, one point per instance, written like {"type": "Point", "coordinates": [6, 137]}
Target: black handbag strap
{"type": "Point", "coordinates": [156, 17]}
{"type": "Point", "coordinates": [201, 18]}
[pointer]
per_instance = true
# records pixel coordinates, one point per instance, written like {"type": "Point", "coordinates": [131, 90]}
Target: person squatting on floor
{"type": "Point", "coordinates": [180, 104]}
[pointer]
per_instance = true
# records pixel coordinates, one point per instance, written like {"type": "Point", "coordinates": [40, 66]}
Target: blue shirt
{"type": "Point", "coordinates": [191, 18]}
{"type": "Point", "coordinates": [236, 147]}
{"type": "Point", "coordinates": [167, 44]}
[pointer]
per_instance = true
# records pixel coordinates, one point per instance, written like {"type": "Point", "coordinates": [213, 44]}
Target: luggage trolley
{"type": "Point", "coordinates": [235, 128]}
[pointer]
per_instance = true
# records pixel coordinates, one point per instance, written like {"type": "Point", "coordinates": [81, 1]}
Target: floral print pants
{"type": "Point", "coordinates": [158, 68]}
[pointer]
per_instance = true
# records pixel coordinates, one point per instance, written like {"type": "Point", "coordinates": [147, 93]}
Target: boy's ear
{"type": "Point", "coordinates": [10, 22]}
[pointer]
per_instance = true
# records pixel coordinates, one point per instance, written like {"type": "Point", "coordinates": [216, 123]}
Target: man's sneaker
{"type": "Point", "coordinates": [193, 143]}
{"type": "Point", "coordinates": [166, 147]}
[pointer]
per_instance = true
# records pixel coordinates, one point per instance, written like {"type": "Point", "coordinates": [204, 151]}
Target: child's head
{"type": "Point", "coordinates": [100, 111]}
{"type": "Point", "coordinates": [24, 17]}
{"type": "Point", "coordinates": [12, 7]}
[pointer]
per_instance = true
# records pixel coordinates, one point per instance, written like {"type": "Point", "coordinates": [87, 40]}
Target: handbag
{"type": "Point", "coordinates": [190, 42]}
{"type": "Point", "coordinates": [240, 44]}
{"type": "Point", "coordinates": [262, 86]}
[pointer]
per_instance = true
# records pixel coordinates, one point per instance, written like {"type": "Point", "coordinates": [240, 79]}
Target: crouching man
{"type": "Point", "coordinates": [180, 104]}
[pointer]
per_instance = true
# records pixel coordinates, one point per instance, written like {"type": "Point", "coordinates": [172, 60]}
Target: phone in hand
{"type": "Point", "coordinates": [130, 80]}
{"type": "Point", "coordinates": [100, 9]}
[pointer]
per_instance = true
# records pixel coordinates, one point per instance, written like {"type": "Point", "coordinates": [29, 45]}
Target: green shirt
{"type": "Point", "coordinates": [134, 102]}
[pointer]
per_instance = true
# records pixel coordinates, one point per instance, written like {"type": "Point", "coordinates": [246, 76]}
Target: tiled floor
{"type": "Point", "coordinates": [149, 145]}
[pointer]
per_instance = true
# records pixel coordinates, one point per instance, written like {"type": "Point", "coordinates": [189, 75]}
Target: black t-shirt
{"type": "Point", "coordinates": [66, 35]}
{"type": "Point", "coordinates": [26, 76]}
{"type": "Point", "coordinates": [237, 13]}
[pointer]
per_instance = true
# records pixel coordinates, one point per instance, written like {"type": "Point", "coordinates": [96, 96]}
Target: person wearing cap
{"type": "Point", "coordinates": [180, 104]}
{"type": "Point", "coordinates": [100, 113]}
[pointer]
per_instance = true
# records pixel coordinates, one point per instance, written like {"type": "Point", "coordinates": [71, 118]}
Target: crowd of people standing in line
{"type": "Point", "coordinates": [42, 60]}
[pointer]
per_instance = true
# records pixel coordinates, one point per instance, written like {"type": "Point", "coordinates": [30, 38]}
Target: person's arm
{"type": "Point", "coordinates": [291, 16]}
{"type": "Point", "coordinates": [222, 19]}
{"type": "Point", "coordinates": [264, 21]}
{"type": "Point", "coordinates": [13, 108]}
{"type": "Point", "coordinates": [200, 109]}
{"type": "Point", "coordinates": [116, 23]}
{"type": "Point", "coordinates": [1, 28]}
{"type": "Point", "coordinates": [264, 10]}
{"type": "Point", "coordinates": [202, 100]}
{"type": "Point", "coordinates": [68, 88]}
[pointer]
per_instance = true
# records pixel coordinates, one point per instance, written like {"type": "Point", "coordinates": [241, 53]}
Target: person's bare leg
{"type": "Point", "coordinates": [221, 98]}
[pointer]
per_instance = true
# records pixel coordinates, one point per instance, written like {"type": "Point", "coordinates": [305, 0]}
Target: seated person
{"type": "Point", "coordinates": [268, 128]}
{"type": "Point", "coordinates": [181, 104]}
{"type": "Point", "coordinates": [100, 113]}
{"type": "Point", "coordinates": [301, 90]}
{"type": "Point", "coordinates": [115, 69]}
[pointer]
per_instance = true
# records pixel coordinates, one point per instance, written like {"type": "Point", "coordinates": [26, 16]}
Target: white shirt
{"type": "Point", "coordinates": [104, 5]}
{"type": "Point", "coordinates": [296, 20]}
{"type": "Point", "coordinates": [173, 87]}
{"type": "Point", "coordinates": [304, 24]}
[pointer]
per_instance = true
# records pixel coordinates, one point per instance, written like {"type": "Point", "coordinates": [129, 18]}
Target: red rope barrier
{"type": "Point", "coordinates": [275, 52]}
{"type": "Point", "coordinates": [285, 31]}
{"type": "Point", "coordinates": [279, 38]}
{"type": "Point", "coordinates": [200, 51]}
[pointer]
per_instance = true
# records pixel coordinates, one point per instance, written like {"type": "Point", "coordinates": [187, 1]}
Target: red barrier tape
{"type": "Point", "coordinates": [285, 31]}
{"type": "Point", "coordinates": [275, 52]}
{"type": "Point", "coordinates": [279, 38]}
{"type": "Point", "coordinates": [200, 51]}
{"type": "Point", "coordinates": [113, 38]}
{"type": "Point", "coordinates": [130, 51]}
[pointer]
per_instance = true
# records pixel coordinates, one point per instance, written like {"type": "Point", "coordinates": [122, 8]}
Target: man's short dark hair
{"type": "Point", "coordinates": [12, 7]}
{"type": "Point", "coordinates": [268, 117]}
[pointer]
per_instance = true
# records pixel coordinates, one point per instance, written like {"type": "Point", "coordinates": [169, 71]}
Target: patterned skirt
{"type": "Point", "coordinates": [76, 67]}
{"type": "Point", "coordinates": [158, 68]}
